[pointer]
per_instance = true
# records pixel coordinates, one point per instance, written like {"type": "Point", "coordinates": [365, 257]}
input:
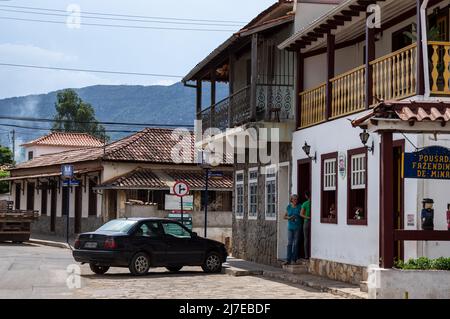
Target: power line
{"type": "Point", "coordinates": [123, 15]}
{"type": "Point", "coordinates": [118, 25]}
{"type": "Point", "coordinates": [34, 119]}
{"type": "Point", "coordinates": [123, 19]}
{"type": "Point", "coordinates": [88, 70]}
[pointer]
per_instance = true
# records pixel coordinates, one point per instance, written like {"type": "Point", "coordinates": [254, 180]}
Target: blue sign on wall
{"type": "Point", "coordinates": [430, 163]}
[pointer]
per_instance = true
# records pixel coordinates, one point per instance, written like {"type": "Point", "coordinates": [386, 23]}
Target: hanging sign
{"type": "Point", "coordinates": [430, 163]}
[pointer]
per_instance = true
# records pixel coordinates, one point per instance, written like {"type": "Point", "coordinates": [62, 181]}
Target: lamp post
{"type": "Point", "coordinates": [206, 167]}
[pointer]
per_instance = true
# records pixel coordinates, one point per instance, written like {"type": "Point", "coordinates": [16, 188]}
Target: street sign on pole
{"type": "Point", "coordinates": [181, 189]}
{"type": "Point", "coordinates": [67, 175]}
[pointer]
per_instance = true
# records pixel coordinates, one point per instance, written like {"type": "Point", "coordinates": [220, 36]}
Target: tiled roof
{"type": "Point", "coordinates": [153, 145]}
{"type": "Point", "coordinates": [66, 139]}
{"type": "Point", "coordinates": [145, 178]}
{"type": "Point", "coordinates": [409, 111]}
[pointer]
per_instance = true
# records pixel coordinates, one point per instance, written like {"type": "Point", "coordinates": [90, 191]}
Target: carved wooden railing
{"type": "Point", "coordinates": [313, 106]}
{"type": "Point", "coordinates": [395, 75]}
{"type": "Point", "coordinates": [348, 92]}
{"type": "Point", "coordinates": [440, 67]}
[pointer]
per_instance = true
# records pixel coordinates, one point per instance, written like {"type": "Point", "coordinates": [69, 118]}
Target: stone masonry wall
{"type": "Point", "coordinates": [256, 240]}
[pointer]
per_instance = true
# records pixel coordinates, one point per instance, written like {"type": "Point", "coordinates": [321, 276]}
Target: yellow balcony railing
{"type": "Point", "coordinates": [440, 67]}
{"type": "Point", "coordinates": [348, 92]}
{"type": "Point", "coordinates": [395, 75]}
{"type": "Point", "coordinates": [313, 106]}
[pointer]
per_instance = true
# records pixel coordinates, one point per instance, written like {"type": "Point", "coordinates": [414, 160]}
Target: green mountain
{"type": "Point", "coordinates": [173, 104]}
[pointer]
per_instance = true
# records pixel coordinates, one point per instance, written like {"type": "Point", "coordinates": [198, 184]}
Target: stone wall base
{"type": "Point", "coordinates": [42, 225]}
{"type": "Point", "coordinates": [338, 271]}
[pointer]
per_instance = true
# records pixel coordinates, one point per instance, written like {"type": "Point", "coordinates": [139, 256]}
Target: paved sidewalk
{"type": "Point", "coordinates": [238, 268]}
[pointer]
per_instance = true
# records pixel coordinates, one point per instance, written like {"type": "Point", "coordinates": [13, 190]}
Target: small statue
{"type": "Point", "coordinates": [332, 212]}
{"type": "Point", "coordinates": [358, 213]}
{"type": "Point", "coordinates": [427, 215]}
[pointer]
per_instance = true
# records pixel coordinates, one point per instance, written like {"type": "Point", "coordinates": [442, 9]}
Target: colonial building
{"type": "Point", "coordinates": [56, 142]}
{"type": "Point", "coordinates": [261, 84]}
{"type": "Point", "coordinates": [139, 170]}
{"type": "Point", "coordinates": [383, 66]}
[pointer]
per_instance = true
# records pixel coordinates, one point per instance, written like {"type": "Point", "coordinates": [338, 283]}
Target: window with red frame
{"type": "Point", "coordinates": [357, 187]}
{"type": "Point", "coordinates": [329, 188]}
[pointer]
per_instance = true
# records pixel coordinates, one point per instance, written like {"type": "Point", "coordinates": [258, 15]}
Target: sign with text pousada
{"type": "Point", "coordinates": [430, 163]}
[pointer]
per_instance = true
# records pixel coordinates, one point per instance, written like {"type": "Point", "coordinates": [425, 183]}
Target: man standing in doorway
{"type": "Point", "coordinates": [305, 213]}
{"type": "Point", "coordinates": [294, 225]}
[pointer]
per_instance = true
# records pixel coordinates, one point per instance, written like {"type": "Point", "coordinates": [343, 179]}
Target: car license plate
{"type": "Point", "coordinates": [90, 245]}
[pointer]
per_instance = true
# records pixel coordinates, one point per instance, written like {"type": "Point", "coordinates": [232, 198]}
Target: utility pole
{"type": "Point", "coordinates": [14, 145]}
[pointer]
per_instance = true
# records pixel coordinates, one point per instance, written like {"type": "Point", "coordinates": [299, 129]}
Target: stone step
{"type": "Point", "coordinates": [296, 269]}
{"type": "Point", "coordinates": [363, 286]}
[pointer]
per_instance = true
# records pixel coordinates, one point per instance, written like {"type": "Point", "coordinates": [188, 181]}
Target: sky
{"type": "Point", "coordinates": [155, 51]}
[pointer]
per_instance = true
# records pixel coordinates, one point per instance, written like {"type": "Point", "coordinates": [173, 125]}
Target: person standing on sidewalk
{"type": "Point", "coordinates": [294, 225]}
{"type": "Point", "coordinates": [305, 213]}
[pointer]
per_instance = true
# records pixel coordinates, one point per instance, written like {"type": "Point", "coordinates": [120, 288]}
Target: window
{"type": "Point", "coordinates": [329, 188]}
{"type": "Point", "coordinates": [271, 193]}
{"type": "Point", "coordinates": [402, 38]}
{"type": "Point", "coordinates": [30, 155]}
{"type": "Point", "coordinates": [253, 193]}
{"type": "Point", "coordinates": [357, 187]}
{"type": "Point", "coordinates": [118, 226]}
{"type": "Point", "coordinates": [149, 229]}
{"type": "Point", "coordinates": [240, 195]}
{"type": "Point", "coordinates": [176, 230]}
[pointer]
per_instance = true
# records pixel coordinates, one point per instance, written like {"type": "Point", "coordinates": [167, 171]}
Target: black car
{"type": "Point", "coordinates": [141, 243]}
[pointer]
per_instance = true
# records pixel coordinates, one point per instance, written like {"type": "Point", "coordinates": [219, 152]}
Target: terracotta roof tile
{"type": "Point", "coordinates": [153, 145]}
{"type": "Point", "coordinates": [145, 178]}
{"type": "Point", "coordinates": [409, 111]}
{"type": "Point", "coordinates": [66, 139]}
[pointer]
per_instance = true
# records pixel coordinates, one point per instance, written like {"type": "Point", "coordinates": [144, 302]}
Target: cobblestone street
{"type": "Point", "coordinates": [33, 271]}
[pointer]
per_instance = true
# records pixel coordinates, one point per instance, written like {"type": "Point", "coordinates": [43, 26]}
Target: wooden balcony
{"type": "Point", "coordinates": [394, 77]}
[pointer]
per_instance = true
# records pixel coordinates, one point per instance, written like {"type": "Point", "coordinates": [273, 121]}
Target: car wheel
{"type": "Point", "coordinates": [99, 270]}
{"type": "Point", "coordinates": [213, 263]}
{"type": "Point", "coordinates": [174, 268]}
{"type": "Point", "coordinates": [140, 264]}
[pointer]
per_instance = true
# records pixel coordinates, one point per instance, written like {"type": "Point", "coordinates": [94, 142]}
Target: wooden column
{"type": "Point", "coordinates": [370, 56]}
{"type": "Point", "coordinates": [387, 201]}
{"type": "Point", "coordinates": [199, 99]}
{"type": "Point", "coordinates": [331, 39]}
{"type": "Point", "coordinates": [213, 87]}
{"type": "Point", "coordinates": [299, 88]}
{"type": "Point", "coordinates": [232, 61]}
{"type": "Point", "coordinates": [420, 69]}
{"type": "Point", "coordinates": [254, 76]}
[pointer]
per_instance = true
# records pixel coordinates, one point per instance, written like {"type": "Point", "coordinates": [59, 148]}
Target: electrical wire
{"type": "Point", "coordinates": [122, 15]}
{"type": "Point", "coordinates": [122, 19]}
{"type": "Point", "coordinates": [35, 119]}
{"type": "Point", "coordinates": [87, 70]}
{"type": "Point", "coordinates": [117, 25]}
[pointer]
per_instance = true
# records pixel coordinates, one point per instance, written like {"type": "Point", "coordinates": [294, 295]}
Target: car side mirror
{"type": "Point", "coordinates": [194, 235]}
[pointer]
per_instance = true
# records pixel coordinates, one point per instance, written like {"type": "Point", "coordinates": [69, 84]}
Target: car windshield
{"type": "Point", "coordinates": [118, 226]}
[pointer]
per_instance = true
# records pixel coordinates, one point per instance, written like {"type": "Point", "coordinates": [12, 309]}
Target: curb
{"type": "Point", "coordinates": [311, 284]}
{"type": "Point", "coordinates": [49, 243]}
{"type": "Point", "coordinates": [237, 272]}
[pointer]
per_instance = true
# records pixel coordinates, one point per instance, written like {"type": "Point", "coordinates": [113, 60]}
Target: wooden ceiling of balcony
{"type": "Point", "coordinates": [348, 23]}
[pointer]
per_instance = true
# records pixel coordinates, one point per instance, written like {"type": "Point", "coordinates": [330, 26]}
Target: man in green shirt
{"type": "Point", "coordinates": [305, 213]}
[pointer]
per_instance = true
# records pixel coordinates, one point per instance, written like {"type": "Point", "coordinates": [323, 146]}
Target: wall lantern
{"type": "Point", "coordinates": [307, 149]}
{"type": "Point", "coordinates": [364, 136]}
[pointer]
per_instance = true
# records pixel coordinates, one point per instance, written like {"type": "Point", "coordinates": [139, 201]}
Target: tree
{"type": "Point", "coordinates": [75, 115]}
{"type": "Point", "coordinates": [6, 159]}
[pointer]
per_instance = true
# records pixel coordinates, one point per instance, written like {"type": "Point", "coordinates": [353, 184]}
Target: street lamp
{"type": "Point", "coordinates": [307, 149]}
{"type": "Point", "coordinates": [364, 136]}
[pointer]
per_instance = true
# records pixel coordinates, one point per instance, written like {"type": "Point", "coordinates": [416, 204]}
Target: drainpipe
{"type": "Point", "coordinates": [423, 19]}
